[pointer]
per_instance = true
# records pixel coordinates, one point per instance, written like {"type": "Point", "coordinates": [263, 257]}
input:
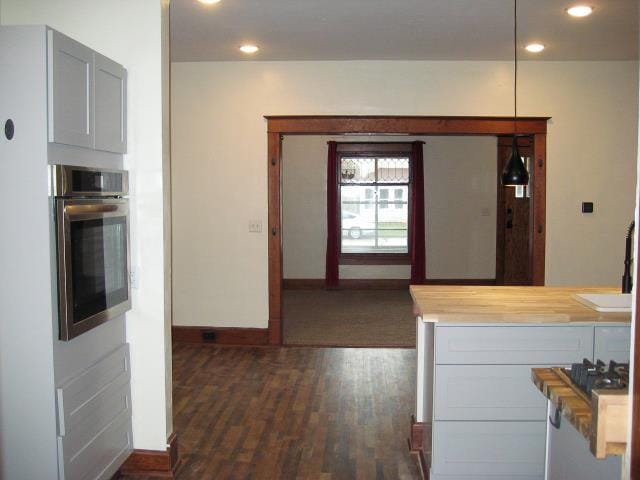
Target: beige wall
{"type": "Point", "coordinates": [220, 165]}
{"type": "Point", "coordinates": [131, 33]}
{"type": "Point", "coordinates": [460, 194]}
{"type": "Point", "coordinates": [460, 175]}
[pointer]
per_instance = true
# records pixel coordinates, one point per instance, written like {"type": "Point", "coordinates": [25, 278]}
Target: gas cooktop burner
{"type": "Point", "coordinates": [589, 376]}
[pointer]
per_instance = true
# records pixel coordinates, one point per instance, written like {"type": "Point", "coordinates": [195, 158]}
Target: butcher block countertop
{"type": "Point", "coordinates": [601, 419]}
{"type": "Point", "coordinates": [480, 304]}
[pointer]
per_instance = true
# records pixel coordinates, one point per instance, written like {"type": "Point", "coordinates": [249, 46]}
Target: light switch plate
{"type": "Point", "coordinates": [255, 226]}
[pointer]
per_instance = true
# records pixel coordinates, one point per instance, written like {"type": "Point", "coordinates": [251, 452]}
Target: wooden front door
{"type": "Point", "coordinates": [513, 260]}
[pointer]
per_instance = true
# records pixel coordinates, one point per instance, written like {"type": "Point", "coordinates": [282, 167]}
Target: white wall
{"type": "Point", "coordinates": [460, 181]}
{"type": "Point", "coordinates": [130, 33]}
{"type": "Point", "coordinates": [220, 162]}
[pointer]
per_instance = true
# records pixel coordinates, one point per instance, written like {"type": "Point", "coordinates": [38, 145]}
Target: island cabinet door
{"type": "Point", "coordinates": [569, 457]}
{"type": "Point", "coordinates": [612, 343]}
{"type": "Point", "coordinates": [478, 392]}
{"type": "Point", "coordinates": [488, 450]}
{"type": "Point", "coordinates": [511, 345]}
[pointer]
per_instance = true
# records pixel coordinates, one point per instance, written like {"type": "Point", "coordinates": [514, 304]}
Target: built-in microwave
{"type": "Point", "coordinates": [91, 224]}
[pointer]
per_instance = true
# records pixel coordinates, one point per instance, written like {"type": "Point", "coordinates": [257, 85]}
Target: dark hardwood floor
{"type": "Point", "coordinates": [293, 413]}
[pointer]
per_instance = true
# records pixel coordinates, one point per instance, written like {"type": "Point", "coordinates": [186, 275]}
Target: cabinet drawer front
{"type": "Point", "coordinates": [99, 459]}
{"type": "Point", "coordinates": [513, 345]}
{"type": "Point", "coordinates": [612, 343]}
{"type": "Point", "coordinates": [478, 392]}
{"type": "Point", "coordinates": [496, 449]}
{"type": "Point", "coordinates": [87, 394]}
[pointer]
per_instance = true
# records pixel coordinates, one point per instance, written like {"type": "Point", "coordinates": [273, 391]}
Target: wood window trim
{"type": "Point", "coordinates": [279, 125]}
{"type": "Point", "coordinates": [375, 259]}
{"type": "Point", "coordinates": [378, 150]}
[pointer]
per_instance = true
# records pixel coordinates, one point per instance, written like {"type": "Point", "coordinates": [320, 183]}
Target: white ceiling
{"type": "Point", "coordinates": [400, 30]}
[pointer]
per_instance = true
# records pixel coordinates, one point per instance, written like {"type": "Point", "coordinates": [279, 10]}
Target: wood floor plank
{"type": "Point", "coordinates": [293, 413]}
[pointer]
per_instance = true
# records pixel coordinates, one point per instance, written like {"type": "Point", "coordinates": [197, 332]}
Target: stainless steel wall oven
{"type": "Point", "coordinates": [92, 242]}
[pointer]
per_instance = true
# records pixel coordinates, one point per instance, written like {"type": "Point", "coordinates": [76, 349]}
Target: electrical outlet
{"type": "Point", "coordinates": [133, 278]}
{"type": "Point", "coordinates": [255, 226]}
{"type": "Point", "coordinates": [485, 212]}
{"type": "Point", "coordinates": [208, 336]}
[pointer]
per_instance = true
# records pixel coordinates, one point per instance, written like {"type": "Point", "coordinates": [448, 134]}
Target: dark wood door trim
{"type": "Point", "coordinates": [341, 125]}
{"type": "Point", "coordinates": [539, 211]}
{"type": "Point", "coordinates": [275, 237]}
{"type": "Point", "coordinates": [277, 126]}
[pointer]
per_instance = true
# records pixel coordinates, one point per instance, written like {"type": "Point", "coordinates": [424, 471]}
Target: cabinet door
{"type": "Point", "coordinates": [110, 105]}
{"type": "Point", "coordinates": [478, 392]}
{"type": "Point", "coordinates": [70, 89]}
{"type": "Point", "coordinates": [488, 450]}
{"type": "Point", "coordinates": [612, 343]}
{"type": "Point", "coordinates": [569, 457]}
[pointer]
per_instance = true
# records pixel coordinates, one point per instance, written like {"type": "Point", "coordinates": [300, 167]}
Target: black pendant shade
{"type": "Point", "coordinates": [514, 172]}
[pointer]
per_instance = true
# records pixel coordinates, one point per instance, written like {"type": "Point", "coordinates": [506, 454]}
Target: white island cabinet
{"type": "Point", "coordinates": [476, 406]}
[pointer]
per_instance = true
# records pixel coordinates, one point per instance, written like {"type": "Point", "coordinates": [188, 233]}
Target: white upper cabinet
{"type": "Point", "coordinates": [110, 105]}
{"type": "Point", "coordinates": [70, 91]}
{"type": "Point", "coordinates": [87, 97]}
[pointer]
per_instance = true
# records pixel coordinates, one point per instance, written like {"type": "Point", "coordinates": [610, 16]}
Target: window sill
{"type": "Point", "coordinates": [375, 259]}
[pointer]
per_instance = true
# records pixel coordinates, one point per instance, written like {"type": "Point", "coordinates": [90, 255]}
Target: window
{"type": "Point", "coordinates": [374, 203]}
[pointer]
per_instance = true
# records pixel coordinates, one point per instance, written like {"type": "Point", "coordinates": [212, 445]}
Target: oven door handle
{"type": "Point", "coordinates": [73, 210]}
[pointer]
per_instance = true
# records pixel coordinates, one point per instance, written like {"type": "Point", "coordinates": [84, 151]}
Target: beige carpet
{"type": "Point", "coordinates": [348, 318]}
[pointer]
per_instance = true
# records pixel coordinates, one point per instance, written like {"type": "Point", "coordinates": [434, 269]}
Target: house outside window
{"type": "Point", "coordinates": [374, 189]}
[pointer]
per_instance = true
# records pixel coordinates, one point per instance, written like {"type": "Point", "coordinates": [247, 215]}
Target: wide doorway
{"type": "Point", "coordinates": [469, 224]}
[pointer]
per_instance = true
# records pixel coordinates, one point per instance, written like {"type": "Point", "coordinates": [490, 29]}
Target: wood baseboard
{"type": "Point", "coordinates": [221, 336]}
{"type": "Point", "coordinates": [346, 284]}
{"type": "Point", "coordinates": [378, 284]}
{"type": "Point", "coordinates": [460, 281]}
{"type": "Point", "coordinates": [153, 463]}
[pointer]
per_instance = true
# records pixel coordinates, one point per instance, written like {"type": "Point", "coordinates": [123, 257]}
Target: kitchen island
{"type": "Point", "coordinates": [477, 413]}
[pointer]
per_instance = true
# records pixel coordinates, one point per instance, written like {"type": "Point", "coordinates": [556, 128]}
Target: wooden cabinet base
{"type": "Point", "coordinates": [154, 463]}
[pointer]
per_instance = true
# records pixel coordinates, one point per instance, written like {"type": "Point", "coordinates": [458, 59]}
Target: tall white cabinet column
{"type": "Point", "coordinates": [65, 406]}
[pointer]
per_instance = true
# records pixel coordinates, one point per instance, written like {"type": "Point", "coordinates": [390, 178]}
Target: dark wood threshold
{"type": "Point", "coordinates": [417, 434]}
{"type": "Point", "coordinates": [316, 345]}
{"type": "Point", "coordinates": [220, 335]}
{"type": "Point", "coordinates": [374, 259]}
{"type": "Point", "coordinates": [153, 463]}
{"type": "Point", "coordinates": [424, 464]}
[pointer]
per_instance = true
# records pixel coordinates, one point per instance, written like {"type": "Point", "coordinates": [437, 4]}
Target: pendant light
{"type": "Point", "coordinates": [515, 173]}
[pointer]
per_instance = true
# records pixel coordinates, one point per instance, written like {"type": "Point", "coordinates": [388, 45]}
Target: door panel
{"type": "Point", "coordinates": [513, 226]}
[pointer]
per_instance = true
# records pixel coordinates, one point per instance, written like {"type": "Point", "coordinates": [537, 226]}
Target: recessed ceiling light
{"type": "Point", "coordinates": [249, 49]}
{"type": "Point", "coordinates": [209, 2]}
{"type": "Point", "coordinates": [580, 11]}
{"type": "Point", "coordinates": [534, 47]}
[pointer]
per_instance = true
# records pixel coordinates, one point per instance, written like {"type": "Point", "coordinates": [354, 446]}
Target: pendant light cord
{"type": "Point", "coordinates": [515, 65]}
